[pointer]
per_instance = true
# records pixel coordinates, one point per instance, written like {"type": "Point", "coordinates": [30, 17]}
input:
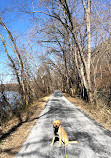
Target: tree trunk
{"type": "Point", "coordinates": [20, 62]}
{"type": "Point", "coordinates": [88, 65]}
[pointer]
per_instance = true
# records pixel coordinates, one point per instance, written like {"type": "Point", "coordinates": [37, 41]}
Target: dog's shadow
{"type": "Point", "coordinates": [56, 140]}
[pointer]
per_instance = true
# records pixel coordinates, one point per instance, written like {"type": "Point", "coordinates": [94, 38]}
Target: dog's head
{"type": "Point", "coordinates": [56, 123]}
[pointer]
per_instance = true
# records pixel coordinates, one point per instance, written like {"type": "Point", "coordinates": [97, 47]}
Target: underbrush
{"type": "Point", "coordinates": [104, 98]}
{"type": "Point", "coordinates": [102, 113]}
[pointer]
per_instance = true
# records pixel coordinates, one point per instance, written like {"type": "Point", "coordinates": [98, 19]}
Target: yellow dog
{"type": "Point", "coordinates": [59, 132]}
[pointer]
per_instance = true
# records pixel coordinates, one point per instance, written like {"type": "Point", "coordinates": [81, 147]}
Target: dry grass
{"type": "Point", "coordinates": [100, 113]}
{"type": "Point", "coordinates": [13, 143]}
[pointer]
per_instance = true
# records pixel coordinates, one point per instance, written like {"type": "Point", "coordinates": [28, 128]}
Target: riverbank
{"type": "Point", "coordinates": [13, 143]}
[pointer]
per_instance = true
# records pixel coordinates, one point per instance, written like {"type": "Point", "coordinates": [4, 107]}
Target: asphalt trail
{"type": "Point", "coordinates": [94, 140]}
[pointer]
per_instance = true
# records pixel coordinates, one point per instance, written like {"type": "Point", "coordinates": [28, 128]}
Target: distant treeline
{"type": "Point", "coordinates": [9, 87]}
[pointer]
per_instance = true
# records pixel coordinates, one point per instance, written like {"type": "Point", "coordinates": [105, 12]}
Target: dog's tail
{"type": "Point", "coordinates": [73, 141]}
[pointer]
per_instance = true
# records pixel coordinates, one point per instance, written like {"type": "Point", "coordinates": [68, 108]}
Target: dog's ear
{"type": "Point", "coordinates": [53, 122]}
{"type": "Point", "coordinates": [60, 122]}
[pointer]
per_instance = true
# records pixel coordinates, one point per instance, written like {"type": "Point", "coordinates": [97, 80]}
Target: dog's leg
{"type": "Point", "coordinates": [53, 140]}
{"type": "Point", "coordinates": [60, 139]}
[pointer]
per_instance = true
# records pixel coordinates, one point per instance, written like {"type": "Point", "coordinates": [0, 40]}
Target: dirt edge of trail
{"type": "Point", "coordinates": [11, 145]}
{"type": "Point", "coordinates": [100, 113]}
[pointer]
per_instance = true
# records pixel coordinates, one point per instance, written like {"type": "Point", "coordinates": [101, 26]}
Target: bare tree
{"type": "Point", "coordinates": [16, 51]}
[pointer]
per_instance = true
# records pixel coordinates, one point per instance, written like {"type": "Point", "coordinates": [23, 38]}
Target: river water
{"type": "Point", "coordinates": [12, 97]}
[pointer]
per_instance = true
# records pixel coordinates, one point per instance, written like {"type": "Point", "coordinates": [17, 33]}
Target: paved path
{"type": "Point", "coordinates": [94, 140]}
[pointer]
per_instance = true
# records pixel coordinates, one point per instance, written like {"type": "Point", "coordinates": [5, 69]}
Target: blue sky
{"type": "Point", "coordinates": [20, 25]}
